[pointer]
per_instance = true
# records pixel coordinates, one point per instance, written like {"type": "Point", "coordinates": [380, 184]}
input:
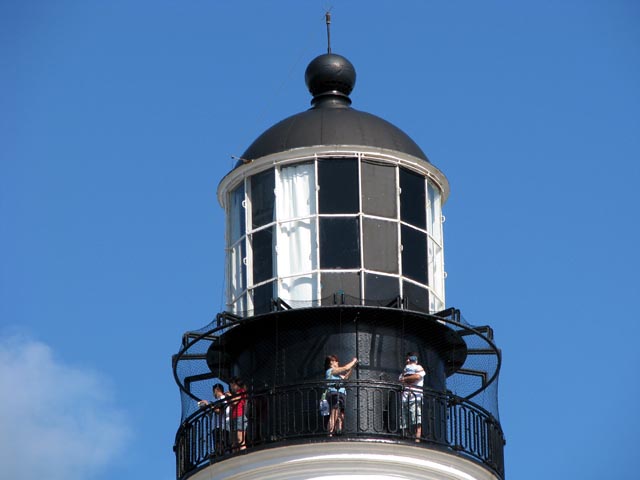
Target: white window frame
{"type": "Point", "coordinates": [433, 231]}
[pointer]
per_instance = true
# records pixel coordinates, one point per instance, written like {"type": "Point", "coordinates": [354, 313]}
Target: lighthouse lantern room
{"type": "Point", "coordinates": [336, 355]}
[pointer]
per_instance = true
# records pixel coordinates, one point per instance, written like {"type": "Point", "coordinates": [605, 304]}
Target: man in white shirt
{"type": "Point", "coordinates": [412, 378]}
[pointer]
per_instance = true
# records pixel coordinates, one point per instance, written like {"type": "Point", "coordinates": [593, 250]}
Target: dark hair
{"type": "Point", "coordinates": [328, 360]}
{"type": "Point", "coordinates": [413, 356]}
{"type": "Point", "coordinates": [219, 387]}
{"type": "Point", "coordinates": [238, 381]}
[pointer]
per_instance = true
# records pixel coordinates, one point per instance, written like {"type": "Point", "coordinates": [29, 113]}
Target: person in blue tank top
{"type": "Point", "coordinates": [336, 393]}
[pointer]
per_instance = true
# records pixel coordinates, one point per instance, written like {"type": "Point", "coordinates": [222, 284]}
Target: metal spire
{"type": "Point", "coordinates": [327, 17]}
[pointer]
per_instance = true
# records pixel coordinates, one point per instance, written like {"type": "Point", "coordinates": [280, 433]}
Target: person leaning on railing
{"type": "Point", "coordinates": [337, 394]}
{"type": "Point", "coordinates": [220, 421]}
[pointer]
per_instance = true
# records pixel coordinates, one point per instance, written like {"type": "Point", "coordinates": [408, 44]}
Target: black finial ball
{"type": "Point", "coordinates": [330, 73]}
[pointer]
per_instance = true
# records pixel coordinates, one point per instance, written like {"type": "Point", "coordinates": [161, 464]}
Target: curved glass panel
{"type": "Point", "coordinates": [263, 254]}
{"type": "Point", "coordinates": [262, 198]}
{"type": "Point", "coordinates": [436, 273]}
{"type": "Point", "coordinates": [417, 298]}
{"type": "Point", "coordinates": [262, 297]}
{"type": "Point", "coordinates": [338, 182]}
{"type": "Point", "coordinates": [238, 273]}
{"type": "Point", "coordinates": [299, 291]}
{"type": "Point", "coordinates": [340, 288]}
{"type": "Point", "coordinates": [380, 290]}
{"type": "Point", "coordinates": [435, 304]}
{"type": "Point", "coordinates": [236, 214]}
{"type": "Point", "coordinates": [380, 244]}
{"type": "Point", "coordinates": [339, 242]}
{"type": "Point", "coordinates": [434, 213]}
{"type": "Point", "coordinates": [296, 191]}
{"type": "Point", "coordinates": [414, 254]}
{"type": "Point", "coordinates": [240, 306]}
{"type": "Point", "coordinates": [412, 198]}
{"type": "Point", "coordinates": [379, 190]}
{"type": "Point", "coordinates": [296, 247]}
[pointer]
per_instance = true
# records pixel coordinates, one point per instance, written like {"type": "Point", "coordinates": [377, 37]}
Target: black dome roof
{"type": "Point", "coordinates": [331, 121]}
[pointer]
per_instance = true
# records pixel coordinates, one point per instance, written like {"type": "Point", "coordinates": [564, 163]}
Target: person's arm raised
{"type": "Point", "coordinates": [345, 368]}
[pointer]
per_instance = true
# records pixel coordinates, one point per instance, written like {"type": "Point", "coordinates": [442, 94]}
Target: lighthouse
{"type": "Point", "coordinates": [335, 296]}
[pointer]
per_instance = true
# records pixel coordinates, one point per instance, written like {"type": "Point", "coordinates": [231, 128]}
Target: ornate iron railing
{"type": "Point", "coordinates": [373, 411]}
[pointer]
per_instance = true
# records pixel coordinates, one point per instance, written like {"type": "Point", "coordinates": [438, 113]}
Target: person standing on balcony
{"type": "Point", "coordinates": [220, 421]}
{"type": "Point", "coordinates": [337, 394]}
{"type": "Point", "coordinates": [412, 379]}
{"type": "Point", "coordinates": [238, 402]}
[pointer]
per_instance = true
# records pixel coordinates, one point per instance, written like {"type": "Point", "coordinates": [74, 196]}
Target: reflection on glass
{"type": "Point", "coordinates": [436, 271]}
{"type": "Point", "coordinates": [262, 297]}
{"type": "Point", "coordinates": [412, 198]}
{"type": "Point", "coordinates": [339, 243]}
{"type": "Point", "coordinates": [338, 182]}
{"type": "Point", "coordinates": [379, 191]}
{"type": "Point", "coordinates": [262, 198]}
{"type": "Point", "coordinates": [240, 306]}
{"type": "Point", "coordinates": [262, 246]}
{"type": "Point", "coordinates": [236, 214]}
{"type": "Point", "coordinates": [435, 304]}
{"type": "Point", "coordinates": [417, 298]}
{"type": "Point", "coordinates": [414, 254]}
{"type": "Point", "coordinates": [340, 288]}
{"type": "Point", "coordinates": [434, 224]}
{"type": "Point", "coordinates": [238, 270]}
{"type": "Point", "coordinates": [380, 243]}
{"type": "Point", "coordinates": [380, 290]}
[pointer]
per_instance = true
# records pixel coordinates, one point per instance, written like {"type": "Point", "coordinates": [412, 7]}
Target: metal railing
{"type": "Point", "coordinates": [373, 411]}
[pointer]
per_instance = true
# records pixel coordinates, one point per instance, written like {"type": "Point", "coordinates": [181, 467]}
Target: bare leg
{"type": "Point", "coordinates": [240, 438]}
{"type": "Point", "coordinates": [333, 419]}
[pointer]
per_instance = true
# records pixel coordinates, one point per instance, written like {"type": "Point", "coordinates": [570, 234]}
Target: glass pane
{"type": "Point", "coordinates": [380, 290]}
{"type": "Point", "coordinates": [238, 270]}
{"type": "Point", "coordinates": [380, 241]}
{"type": "Point", "coordinates": [435, 304]}
{"type": "Point", "coordinates": [297, 252]}
{"type": "Point", "coordinates": [240, 306]}
{"type": "Point", "coordinates": [340, 288]}
{"type": "Point", "coordinates": [338, 181]}
{"type": "Point", "coordinates": [262, 244]}
{"type": "Point", "coordinates": [262, 198]}
{"type": "Point", "coordinates": [262, 297]}
{"type": "Point", "coordinates": [436, 272]}
{"type": "Point", "coordinates": [339, 243]}
{"type": "Point", "coordinates": [434, 213]}
{"type": "Point", "coordinates": [417, 298]}
{"type": "Point", "coordinates": [412, 198]}
{"type": "Point", "coordinates": [379, 189]}
{"type": "Point", "coordinates": [296, 191]}
{"type": "Point", "coordinates": [236, 214]}
{"type": "Point", "coordinates": [414, 254]}
{"type": "Point", "coordinates": [299, 292]}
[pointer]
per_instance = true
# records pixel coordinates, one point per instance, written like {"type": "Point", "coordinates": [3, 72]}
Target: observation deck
{"type": "Point", "coordinates": [289, 415]}
{"type": "Point", "coordinates": [282, 369]}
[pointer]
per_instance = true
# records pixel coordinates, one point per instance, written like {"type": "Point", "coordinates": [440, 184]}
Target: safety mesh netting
{"type": "Point", "coordinates": [476, 379]}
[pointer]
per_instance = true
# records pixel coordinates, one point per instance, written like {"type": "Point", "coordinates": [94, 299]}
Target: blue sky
{"type": "Point", "coordinates": [118, 119]}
